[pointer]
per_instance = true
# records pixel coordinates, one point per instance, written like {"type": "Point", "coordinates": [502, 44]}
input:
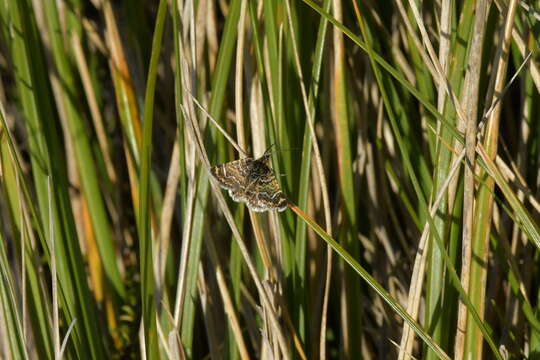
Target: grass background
{"type": "Point", "coordinates": [408, 144]}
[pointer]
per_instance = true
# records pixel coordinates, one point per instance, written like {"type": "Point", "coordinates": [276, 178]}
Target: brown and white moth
{"type": "Point", "coordinates": [251, 181]}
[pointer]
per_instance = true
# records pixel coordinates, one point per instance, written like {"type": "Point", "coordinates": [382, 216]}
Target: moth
{"type": "Point", "coordinates": [251, 181]}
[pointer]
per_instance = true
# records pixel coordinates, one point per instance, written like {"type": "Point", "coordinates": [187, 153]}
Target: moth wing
{"type": "Point", "coordinates": [272, 197]}
{"type": "Point", "coordinates": [231, 175]}
{"type": "Point", "coordinates": [249, 182]}
{"type": "Point", "coordinates": [253, 202]}
{"type": "Point", "coordinates": [237, 195]}
{"type": "Point", "coordinates": [266, 195]}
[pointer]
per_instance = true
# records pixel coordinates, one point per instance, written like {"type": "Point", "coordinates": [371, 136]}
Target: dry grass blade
{"type": "Point", "coordinates": [472, 85]}
{"type": "Point", "coordinates": [484, 200]}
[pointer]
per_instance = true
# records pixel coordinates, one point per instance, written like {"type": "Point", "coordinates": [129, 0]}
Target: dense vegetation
{"type": "Point", "coordinates": [405, 135]}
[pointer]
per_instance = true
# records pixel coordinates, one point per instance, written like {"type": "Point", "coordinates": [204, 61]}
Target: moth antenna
{"type": "Point", "coordinates": [290, 149]}
{"type": "Point", "coordinates": [266, 156]}
{"type": "Point", "coordinates": [268, 151]}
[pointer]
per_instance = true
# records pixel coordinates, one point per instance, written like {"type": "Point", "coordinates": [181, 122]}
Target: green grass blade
{"type": "Point", "coordinates": [43, 127]}
{"type": "Point", "coordinates": [12, 322]}
{"type": "Point", "coordinates": [371, 282]}
{"type": "Point", "coordinates": [145, 248]}
{"type": "Point", "coordinates": [83, 152]}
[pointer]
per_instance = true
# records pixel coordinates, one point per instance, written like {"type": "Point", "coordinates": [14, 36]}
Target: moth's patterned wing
{"type": "Point", "coordinates": [252, 182]}
{"type": "Point", "coordinates": [237, 195]}
{"type": "Point", "coordinates": [231, 175]}
{"type": "Point", "coordinates": [266, 195]}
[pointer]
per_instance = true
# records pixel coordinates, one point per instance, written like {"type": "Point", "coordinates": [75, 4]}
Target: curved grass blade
{"type": "Point", "coordinates": [371, 281]}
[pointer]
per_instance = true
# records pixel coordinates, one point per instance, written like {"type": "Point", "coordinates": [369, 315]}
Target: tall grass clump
{"type": "Point", "coordinates": [405, 135]}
